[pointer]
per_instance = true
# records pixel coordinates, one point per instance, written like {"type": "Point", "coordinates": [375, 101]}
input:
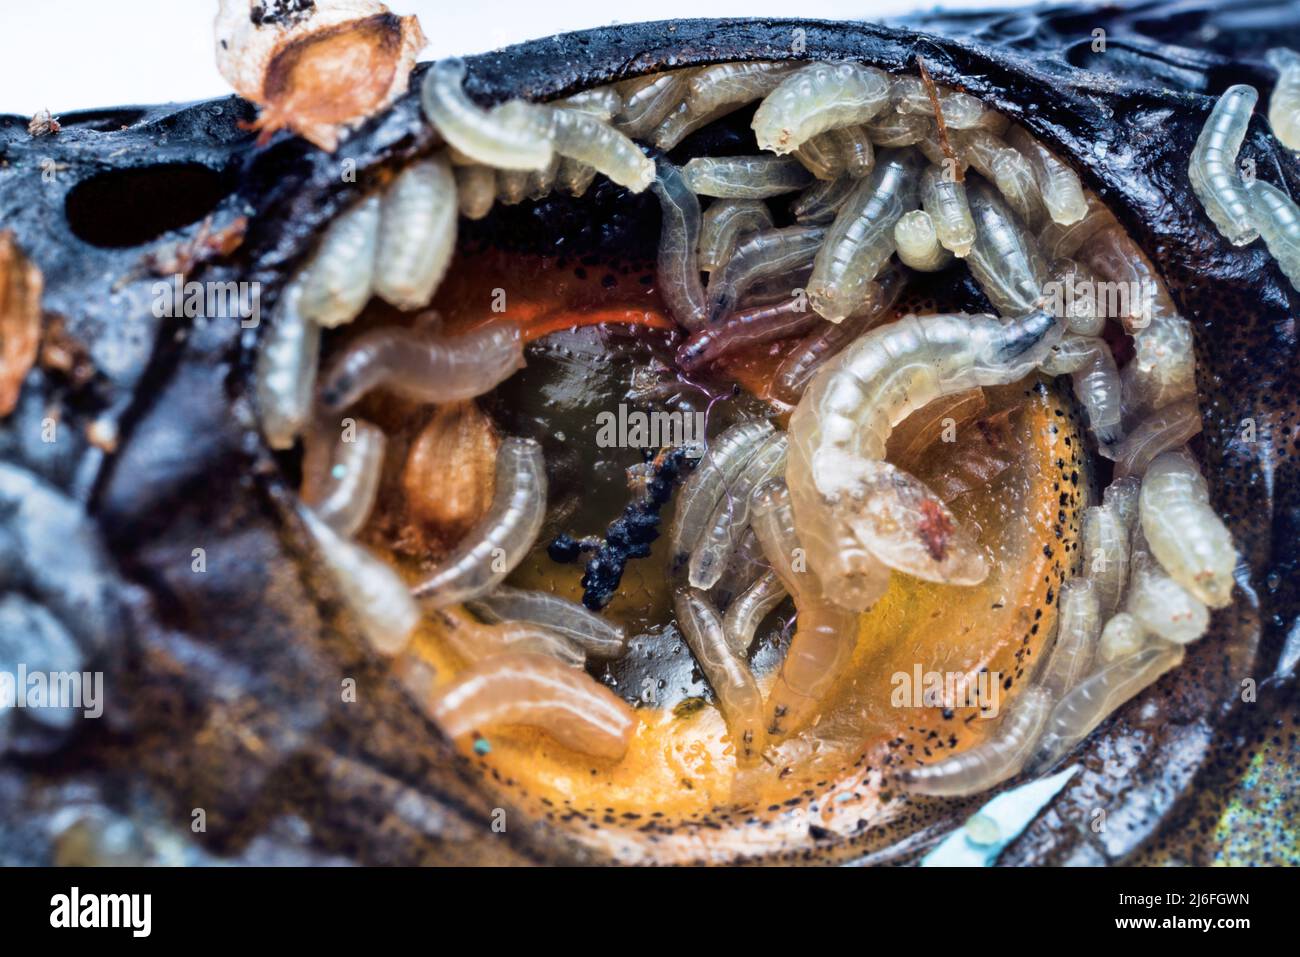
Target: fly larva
{"type": "Point", "coordinates": [1105, 542]}
{"type": "Point", "coordinates": [340, 474]}
{"type": "Point", "coordinates": [725, 222]}
{"type": "Point", "coordinates": [1161, 604]}
{"type": "Point", "coordinates": [602, 102]}
{"type": "Point", "coordinates": [1167, 428]}
{"type": "Point", "coordinates": [1007, 169]}
{"type": "Point", "coordinates": [512, 186]}
{"type": "Point", "coordinates": [1091, 367]}
{"type": "Point", "coordinates": [510, 136]}
{"type": "Point", "coordinates": [731, 515]}
{"type": "Point", "coordinates": [772, 252]}
{"type": "Point", "coordinates": [540, 692]}
{"type": "Point", "coordinates": [374, 592]}
{"type": "Point", "coordinates": [1188, 539]}
{"type": "Point", "coordinates": [417, 233]}
{"type": "Point", "coordinates": [1078, 627]}
{"type": "Point", "coordinates": [857, 154]}
{"type": "Point", "coordinates": [861, 239]}
{"type": "Point", "coordinates": [918, 242]}
{"type": "Point", "coordinates": [1278, 221]}
{"type": "Point", "coordinates": [1063, 241]}
{"type": "Point", "coordinates": [575, 178]}
{"type": "Point", "coordinates": [821, 202]}
{"type": "Point", "coordinates": [583, 137]}
{"type": "Point", "coordinates": [745, 177]}
{"type": "Point", "coordinates": [845, 495]}
{"type": "Point", "coordinates": [1075, 299]}
{"type": "Point", "coordinates": [747, 612]}
{"type": "Point", "coordinates": [944, 199]}
{"type": "Point", "coordinates": [1004, 259]}
{"type": "Point", "coordinates": [1003, 755]}
{"type": "Point", "coordinates": [1284, 104]}
{"type": "Point", "coordinates": [475, 641]}
{"type": "Point", "coordinates": [648, 100]}
{"type": "Point", "coordinates": [678, 269]}
{"type": "Point", "coordinates": [895, 129]}
{"type": "Point", "coordinates": [728, 674]}
{"type": "Point", "coordinates": [735, 84]}
{"type": "Point", "coordinates": [1099, 696]}
{"type": "Point", "coordinates": [424, 366]}
{"type": "Point", "coordinates": [476, 190]}
{"type": "Point", "coordinates": [701, 493]}
{"type": "Point", "coordinates": [1122, 637]}
{"type": "Point", "coordinates": [1141, 297]}
{"type": "Point", "coordinates": [961, 111]}
{"type": "Point", "coordinates": [1059, 184]}
{"type": "Point", "coordinates": [746, 566]}
{"type": "Point", "coordinates": [820, 156]}
{"type": "Point", "coordinates": [501, 538]}
{"type": "Point", "coordinates": [819, 347]}
{"type": "Point", "coordinates": [590, 632]}
{"type": "Point", "coordinates": [542, 181]}
{"type": "Point", "coordinates": [825, 633]}
{"type": "Point", "coordinates": [287, 360]}
{"type": "Point", "coordinates": [1122, 496]}
{"type": "Point", "coordinates": [339, 278]}
{"type": "Point", "coordinates": [1212, 168]}
{"type": "Point", "coordinates": [817, 98]}
{"type": "Point", "coordinates": [749, 327]}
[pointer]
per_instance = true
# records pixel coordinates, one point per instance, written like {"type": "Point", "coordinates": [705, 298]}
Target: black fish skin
{"type": "Point", "coordinates": [267, 633]}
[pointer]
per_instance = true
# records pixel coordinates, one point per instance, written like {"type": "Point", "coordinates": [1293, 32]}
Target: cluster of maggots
{"type": "Point", "coordinates": [893, 175]}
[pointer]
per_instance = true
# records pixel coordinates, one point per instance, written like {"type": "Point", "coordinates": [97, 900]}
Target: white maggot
{"type": "Point", "coordinates": [417, 233]}
{"type": "Point", "coordinates": [338, 281]}
{"type": "Point", "coordinates": [286, 370]}
{"type": "Point", "coordinates": [918, 242]}
{"type": "Point", "coordinates": [511, 136]}
{"type": "Point", "coordinates": [1188, 539]}
{"type": "Point", "coordinates": [1212, 168]}
{"type": "Point", "coordinates": [1284, 104]}
{"type": "Point", "coordinates": [817, 98]}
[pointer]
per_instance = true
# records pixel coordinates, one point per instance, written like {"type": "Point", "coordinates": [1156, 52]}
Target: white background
{"type": "Point", "coordinates": [66, 55]}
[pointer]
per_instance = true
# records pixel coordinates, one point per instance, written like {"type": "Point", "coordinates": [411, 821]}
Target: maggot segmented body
{"type": "Point", "coordinates": [476, 190]}
{"type": "Point", "coordinates": [575, 178]}
{"type": "Point", "coordinates": [1163, 606]}
{"type": "Point", "coordinates": [820, 202]}
{"type": "Point", "coordinates": [340, 277]}
{"type": "Point", "coordinates": [1004, 259]}
{"type": "Point", "coordinates": [1059, 185]}
{"type": "Point", "coordinates": [424, 366]}
{"type": "Point", "coordinates": [1098, 696]}
{"type": "Point", "coordinates": [918, 243]}
{"type": "Point", "coordinates": [514, 138]}
{"type": "Point", "coordinates": [340, 473]}
{"type": "Point", "coordinates": [1213, 166]}
{"type": "Point", "coordinates": [846, 498]}
{"type": "Point", "coordinates": [789, 317]}
{"type": "Point", "coordinates": [1284, 104]}
{"type": "Point", "coordinates": [595, 635]}
{"type": "Point", "coordinates": [1277, 218]}
{"type": "Point", "coordinates": [1186, 536]}
{"type": "Point", "coordinates": [767, 254]}
{"type": "Point", "coordinates": [286, 370]}
{"type": "Point", "coordinates": [678, 269]}
{"type": "Point", "coordinates": [747, 612]}
{"type": "Point", "coordinates": [648, 100]}
{"type": "Point", "coordinates": [475, 641]}
{"type": "Point", "coordinates": [500, 540]}
{"type": "Point", "coordinates": [580, 136]}
{"type": "Point", "coordinates": [817, 98]}
{"type": "Point", "coordinates": [735, 84]}
{"type": "Point", "coordinates": [1079, 621]}
{"type": "Point", "coordinates": [1123, 636]}
{"type": "Point", "coordinates": [1091, 367]}
{"type": "Point", "coordinates": [981, 766]}
{"type": "Point", "coordinates": [861, 239]}
{"type": "Point", "coordinates": [512, 186]}
{"type": "Point", "coordinates": [1062, 241]}
{"type": "Point", "coordinates": [895, 129]}
{"type": "Point", "coordinates": [944, 199]}
{"type": "Point", "coordinates": [1166, 428]}
{"type": "Point", "coordinates": [1105, 542]}
{"type": "Point", "coordinates": [538, 691]}
{"type": "Point", "coordinates": [745, 177]}
{"type": "Point", "coordinates": [1072, 295]}
{"type": "Point", "coordinates": [417, 233]}
{"type": "Point", "coordinates": [724, 223]}
{"type": "Point", "coordinates": [1007, 169]}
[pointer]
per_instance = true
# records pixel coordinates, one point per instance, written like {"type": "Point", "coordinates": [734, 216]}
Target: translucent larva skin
{"type": "Point", "coordinates": [595, 635]}
{"type": "Point", "coordinates": [1163, 606]}
{"type": "Point", "coordinates": [287, 360]}
{"type": "Point", "coordinates": [990, 762]}
{"type": "Point", "coordinates": [514, 138]}
{"type": "Point", "coordinates": [895, 129]}
{"type": "Point", "coordinates": [585, 138]}
{"type": "Point", "coordinates": [476, 190]}
{"type": "Point", "coordinates": [1122, 637]}
{"type": "Point", "coordinates": [918, 243]}
{"type": "Point", "coordinates": [1059, 184]}
{"type": "Point", "coordinates": [1005, 167]}
{"type": "Point", "coordinates": [1284, 104]}
{"type": "Point", "coordinates": [1188, 539]}
{"type": "Point", "coordinates": [735, 84]}
{"type": "Point", "coordinates": [1105, 543]}
{"type": "Point", "coordinates": [724, 223]}
{"type": "Point", "coordinates": [817, 98]}
{"type": "Point", "coordinates": [417, 233]}
{"type": "Point", "coordinates": [944, 199]}
{"type": "Point", "coordinates": [575, 178]}
{"type": "Point", "coordinates": [339, 279]}
{"type": "Point", "coordinates": [648, 100]}
{"type": "Point", "coordinates": [1278, 221]}
{"type": "Point", "coordinates": [1078, 628]}
{"type": "Point", "coordinates": [823, 200]}
{"type": "Point", "coordinates": [541, 692]}
{"type": "Point", "coordinates": [961, 111]}
{"type": "Point", "coordinates": [1091, 367]}
{"type": "Point", "coordinates": [678, 270]}
{"type": "Point", "coordinates": [1168, 428]}
{"type": "Point", "coordinates": [475, 641]}
{"type": "Point", "coordinates": [501, 538]}
{"type": "Point", "coordinates": [845, 497]}
{"type": "Point", "coordinates": [1062, 242]}
{"type": "Point", "coordinates": [512, 186]}
{"type": "Point", "coordinates": [731, 514]}
{"type": "Point", "coordinates": [602, 102]}
{"type": "Point", "coordinates": [861, 239]}
{"type": "Point", "coordinates": [1212, 168]}
{"type": "Point", "coordinates": [340, 474]}
{"type": "Point", "coordinates": [1079, 309]}
{"type": "Point", "coordinates": [747, 612]}
{"type": "Point", "coordinates": [1099, 696]}
{"type": "Point", "coordinates": [1122, 497]}
{"type": "Point", "coordinates": [1004, 259]}
{"type": "Point", "coordinates": [747, 565]}
{"type": "Point", "coordinates": [422, 366]}
{"type": "Point", "coordinates": [820, 156]}
{"type": "Point", "coordinates": [825, 632]}
{"type": "Point", "coordinates": [699, 496]}
{"type": "Point", "coordinates": [763, 255]}
{"type": "Point", "coordinates": [739, 699]}
{"type": "Point", "coordinates": [682, 122]}
{"type": "Point", "coordinates": [376, 595]}
{"type": "Point", "coordinates": [790, 317]}
{"type": "Point", "coordinates": [745, 177]}
{"type": "Point", "coordinates": [857, 154]}
{"type": "Point", "coordinates": [542, 181]}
